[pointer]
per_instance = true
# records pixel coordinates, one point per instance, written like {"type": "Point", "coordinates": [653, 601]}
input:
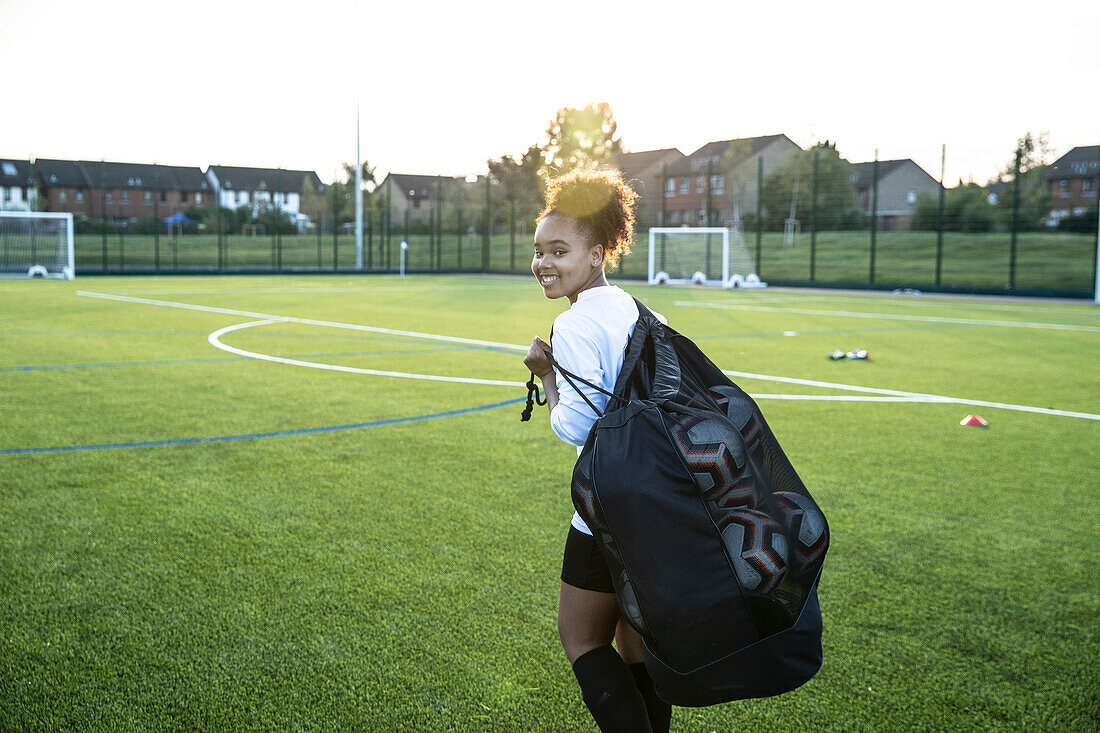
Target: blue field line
{"type": "Point", "coordinates": [221, 438]}
{"type": "Point", "coordinates": [208, 360]}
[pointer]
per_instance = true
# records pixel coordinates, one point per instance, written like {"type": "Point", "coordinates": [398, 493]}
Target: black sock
{"type": "Point", "coordinates": [608, 689]}
{"type": "Point", "coordinates": [660, 712]}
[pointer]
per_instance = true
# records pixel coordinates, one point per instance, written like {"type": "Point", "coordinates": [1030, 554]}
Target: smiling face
{"type": "Point", "coordinates": [566, 261]}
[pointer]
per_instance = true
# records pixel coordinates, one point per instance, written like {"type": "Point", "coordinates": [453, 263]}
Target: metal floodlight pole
{"type": "Point", "coordinates": [404, 249]}
{"type": "Point", "coordinates": [358, 195]}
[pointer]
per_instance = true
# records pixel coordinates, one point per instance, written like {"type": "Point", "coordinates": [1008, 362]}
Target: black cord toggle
{"type": "Point", "coordinates": [532, 389]}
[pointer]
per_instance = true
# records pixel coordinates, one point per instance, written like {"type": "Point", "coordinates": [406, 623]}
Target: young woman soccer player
{"type": "Point", "coordinates": [587, 224]}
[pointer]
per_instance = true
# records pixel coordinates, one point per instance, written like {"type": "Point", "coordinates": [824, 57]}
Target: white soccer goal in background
{"type": "Point", "coordinates": [36, 244]}
{"type": "Point", "coordinates": [700, 255]}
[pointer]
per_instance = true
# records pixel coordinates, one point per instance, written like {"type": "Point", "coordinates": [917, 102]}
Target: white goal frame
{"type": "Point", "coordinates": [35, 269]}
{"type": "Point", "coordinates": [728, 281]}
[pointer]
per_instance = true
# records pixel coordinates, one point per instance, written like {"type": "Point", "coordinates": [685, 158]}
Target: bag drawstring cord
{"type": "Point", "coordinates": [532, 390]}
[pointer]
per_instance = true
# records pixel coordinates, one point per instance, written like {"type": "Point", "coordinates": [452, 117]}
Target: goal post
{"type": "Point", "coordinates": [700, 255]}
{"type": "Point", "coordinates": [36, 244]}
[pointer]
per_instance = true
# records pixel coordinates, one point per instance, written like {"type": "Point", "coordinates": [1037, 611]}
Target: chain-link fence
{"type": "Point", "coordinates": [484, 227]}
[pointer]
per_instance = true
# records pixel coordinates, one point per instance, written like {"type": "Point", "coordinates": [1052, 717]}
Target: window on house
{"type": "Point", "coordinates": [163, 196]}
{"type": "Point", "coordinates": [125, 197]}
{"type": "Point", "coordinates": [718, 184]}
{"type": "Point", "coordinates": [243, 198]}
{"type": "Point", "coordinates": [148, 197]}
{"type": "Point", "coordinates": [198, 197]}
{"type": "Point", "coordinates": [670, 187]}
{"type": "Point", "coordinates": [9, 169]}
{"type": "Point", "coordinates": [7, 194]}
{"type": "Point", "coordinates": [674, 217]}
{"type": "Point", "coordinates": [700, 183]}
{"type": "Point", "coordinates": [109, 197]}
{"type": "Point", "coordinates": [683, 185]}
{"type": "Point", "coordinates": [911, 197]}
{"type": "Point", "coordinates": [62, 194]}
{"type": "Point", "coordinates": [1088, 187]}
{"type": "Point", "coordinates": [80, 194]}
{"type": "Point", "coordinates": [1063, 188]}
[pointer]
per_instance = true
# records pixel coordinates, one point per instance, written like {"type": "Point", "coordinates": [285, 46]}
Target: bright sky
{"type": "Point", "coordinates": [445, 85]}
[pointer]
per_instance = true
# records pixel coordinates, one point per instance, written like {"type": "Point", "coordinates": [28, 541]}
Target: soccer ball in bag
{"type": "Point", "coordinates": [805, 525]}
{"type": "Point", "coordinates": [758, 548]}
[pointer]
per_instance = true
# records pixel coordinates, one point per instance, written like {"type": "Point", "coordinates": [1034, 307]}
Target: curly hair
{"type": "Point", "coordinates": [601, 203]}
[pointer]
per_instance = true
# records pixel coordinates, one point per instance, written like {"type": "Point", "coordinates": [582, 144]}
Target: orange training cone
{"type": "Point", "coordinates": [974, 420]}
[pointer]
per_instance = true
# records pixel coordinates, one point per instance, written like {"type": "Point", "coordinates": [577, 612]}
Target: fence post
{"type": "Point", "coordinates": [222, 241]}
{"type": "Point", "coordinates": [439, 222]}
{"type": "Point", "coordinates": [320, 225]}
{"type": "Point", "coordinates": [512, 233]}
{"type": "Point", "coordinates": [460, 237]}
{"type": "Point", "coordinates": [103, 233]}
{"type": "Point", "coordinates": [939, 218]}
{"type": "Point", "coordinates": [122, 247]}
{"type": "Point", "coordinates": [1015, 221]}
{"type": "Point", "coordinates": [1096, 252]}
{"type": "Point", "coordinates": [278, 247]}
{"type": "Point", "coordinates": [156, 230]}
{"type": "Point", "coordinates": [813, 223]}
{"type": "Point", "coordinates": [759, 209]}
{"type": "Point", "coordinates": [874, 216]}
{"type": "Point", "coordinates": [389, 218]}
{"type": "Point", "coordinates": [488, 223]}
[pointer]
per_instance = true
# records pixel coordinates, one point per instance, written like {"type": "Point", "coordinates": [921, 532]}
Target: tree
{"type": "Point", "coordinates": [966, 208]}
{"type": "Point", "coordinates": [837, 201]}
{"type": "Point", "coordinates": [520, 180]}
{"type": "Point", "coordinates": [739, 177]}
{"type": "Point", "coordinates": [1036, 154]}
{"type": "Point", "coordinates": [581, 138]}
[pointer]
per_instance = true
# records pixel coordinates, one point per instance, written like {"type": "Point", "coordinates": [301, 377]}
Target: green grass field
{"type": "Point", "coordinates": [1045, 260]}
{"type": "Point", "coordinates": [399, 571]}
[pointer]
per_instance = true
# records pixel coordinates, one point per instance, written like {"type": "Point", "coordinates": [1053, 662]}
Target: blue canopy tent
{"type": "Point", "coordinates": [178, 218]}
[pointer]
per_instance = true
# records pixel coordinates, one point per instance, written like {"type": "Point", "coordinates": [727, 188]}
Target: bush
{"type": "Point", "coordinates": [1081, 223]}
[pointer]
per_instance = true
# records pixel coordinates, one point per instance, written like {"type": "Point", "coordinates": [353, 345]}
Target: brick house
{"type": "Point", "coordinates": [63, 186]}
{"type": "Point", "coordinates": [643, 171]}
{"type": "Point", "coordinates": [17, 188]}
{"type": "Point", "coordinates": [110, 190]}
{"type": "Point", "coordinates": [416, 194]}
{"type": "Point", "coordinates": [900, 185]}
{"type": "Point", "coordinates": [719, 180]}
{"type": "Point", "coordinates": [236, 186]}
{"type": "Point", "coordinates": [1074, 179]}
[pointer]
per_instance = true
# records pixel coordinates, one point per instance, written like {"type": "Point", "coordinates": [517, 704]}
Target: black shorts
{"type": "Point", "coordinates": [583, 565]}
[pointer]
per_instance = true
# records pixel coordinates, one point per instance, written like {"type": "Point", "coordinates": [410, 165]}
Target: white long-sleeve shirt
{"type": "Point", "coordinates": [590, 340]}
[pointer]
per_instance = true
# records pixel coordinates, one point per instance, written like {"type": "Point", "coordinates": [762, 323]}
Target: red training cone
{"type": "Point", "coordinates": [974, 420]}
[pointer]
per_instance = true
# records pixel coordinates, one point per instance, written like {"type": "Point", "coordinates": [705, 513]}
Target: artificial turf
{"type": "Point", "coordinates": [403, 576]}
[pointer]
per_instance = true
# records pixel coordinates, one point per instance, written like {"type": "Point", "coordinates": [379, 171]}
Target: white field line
{"type": "Point", "coordinates": [896, 317]}
{"type": "Point", "coordinates": [266, 319]}
{"type": "Point", "coordinates": [239, 291]}
{"type": "Point", "coordinates": [1087, 308]}
{"type": "Point", "coordinates": [307, 321]}
{"type": "Point", "coordinates": [914, 396]}
{"type": "Point", "coordinates": [215, 341]}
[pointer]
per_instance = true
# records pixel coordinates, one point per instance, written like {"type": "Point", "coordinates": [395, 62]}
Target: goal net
{"type": "Point", "coordinates": [700, 255]}
{"type": "Point", "coordinates": [36, 244]}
